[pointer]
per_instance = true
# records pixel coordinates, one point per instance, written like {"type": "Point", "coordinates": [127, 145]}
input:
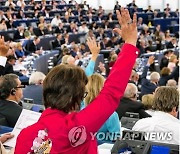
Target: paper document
{"type": "Point", "coordinates": [105, 148]}
{"type": "Point", "coordinates": [26, 118]}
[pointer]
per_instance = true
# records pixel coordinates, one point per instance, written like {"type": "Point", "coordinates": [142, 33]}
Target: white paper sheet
{"type": "Point", "coordinates": [26, 119]}
{"type": "Point", "coordinates": [105, 148]}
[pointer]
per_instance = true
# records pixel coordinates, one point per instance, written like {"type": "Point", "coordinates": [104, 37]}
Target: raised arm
{"type": "Point", "coordinates": [3, 52]}
{"type": "Point", "coordinates": [145, 70]}
{"type": "Point", "coordinates": [95, 51]}
{"type": "Point", "coordinates": [94, 115]}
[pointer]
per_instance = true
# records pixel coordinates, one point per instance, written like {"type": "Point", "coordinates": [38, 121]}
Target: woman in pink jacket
{"type": "Point", "coordinates": [61, 129]}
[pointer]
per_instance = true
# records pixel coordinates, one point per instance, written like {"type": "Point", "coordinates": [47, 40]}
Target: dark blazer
{"type": "Point", "coordinates": [56, 43]}
{"type": "Point", "coordinates": [147, 87]}
{"type": "Point", "coordinates": [58, 30]}
{"type": "Point", "coordinates": [163, 79]}
{"type": "Point", "coordinates": [31, 47]}
{"type": "Point", "coordinates": [9, 69]}
{"type": "Point", "coordinates": [164, 62]}
{"type": "Point", "coordinates": [17, 35]}
{"type": "Point", "coordinates": [128, 105]}
{"type": "Point", "coordinates": [11, 111]}
{"type": "Point", "coordinates": [2, 69]}
{"type": "Point", "coordinates": [34, 92]}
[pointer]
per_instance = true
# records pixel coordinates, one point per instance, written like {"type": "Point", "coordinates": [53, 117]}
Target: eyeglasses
{"type": "Point", "coordinates": [85, 94]}
{"type": "Point", "coordinates": [21, 86]}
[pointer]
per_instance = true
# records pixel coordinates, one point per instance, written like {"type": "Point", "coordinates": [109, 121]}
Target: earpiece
{"type": "Point", "coordinates": [13, 92]}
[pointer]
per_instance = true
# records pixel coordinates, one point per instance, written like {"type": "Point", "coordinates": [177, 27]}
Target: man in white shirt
{"type": "Point", "coordinates": [164, 121]}
{"type": "Point", "coordinates": [83, 28]}
{"type": "Point", "coordinates": [56, 21]}
{"type": "Point", "coordinates": [21, 3]}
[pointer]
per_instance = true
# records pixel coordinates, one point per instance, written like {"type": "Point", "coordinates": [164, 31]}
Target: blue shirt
{"type": "Point", "coordinates": [89, 70]}
{"type": "Point", "coordinates": [112, 126]}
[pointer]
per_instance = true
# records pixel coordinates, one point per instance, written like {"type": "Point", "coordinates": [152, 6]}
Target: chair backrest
{"type": "Point", "coordinates": [51, 44]}
{"type": "Point", "coordinates": [33, 24]}
{"type": "Point", "coordinates": [23, 24]}
{"type": "Point", "coordinates": [132, 115]}
{"type": "Point", "coordinates": [128, 123]}
{"type": "Point", "coordinates": [10, 36]}
{"type": "Point", "coordinates": [27, 106]}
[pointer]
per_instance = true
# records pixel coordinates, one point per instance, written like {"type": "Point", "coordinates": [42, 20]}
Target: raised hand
{"type": "Point", "coordinates": [128, 30]}
{"type": "Point", "coordinates": [94, 47]}
{"type": "Point", "coordinates": [2, 40]}
{"type": "Point", "coordinates": [151, 60]}
{"type": "Point", "coordinates": [3, 47]}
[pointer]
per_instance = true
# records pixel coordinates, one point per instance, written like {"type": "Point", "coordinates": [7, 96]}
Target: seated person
{"type": "Point", "coordinates": [94, 86]}
{"type": "Point", "coordinates": [172, 62]}
{"type": "Point", "coordinates": [57, 42]}
{"type": "Point", "coordinates": [11, 60]}
{"type": "Point", "coordinates": [147, 100]}
{"type": "Point", "coordinates": [32, 46]}
{"type": "Point", "coordinates": [19, 34]}
{"type": "Point", "coordinates": [166, 75]}
{"type": "Point", "coordinates": [19, 51]}
{"type": "Point", "coordinates": [165, 59]}
{"type": "Point", "coordinates": [172, 83]}
{"type": "Point", "coordinates": [134, 78]}
{"type": "Point", "coordinates": [129, 103]}
{"type": "Point", "coordinates": [10, 96]}
{"type": "Point", "coordinates": [34, 89]}
{"type": "Point", "coordinates": [149, 86]}
{"type": "Point", "coordinates": [63, 91]}
{"type": "Point", "coordinates": [166, 104]}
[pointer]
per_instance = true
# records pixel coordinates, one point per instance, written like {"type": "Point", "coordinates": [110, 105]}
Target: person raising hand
{"type": "Point", "coordinates": [62, 128]}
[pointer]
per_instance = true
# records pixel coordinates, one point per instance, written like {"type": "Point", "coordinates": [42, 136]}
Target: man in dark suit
{"type": "Point", "coordinates": [59, 29]}
{"type": "Point", "coordinates": [57, 42]}
{"type": "Point", "coordinates": [117, 7]}
{"type": "Point", "coordinates": [32, 46]}
{"type": "Point", "coordinates": [11, 60]}
{"type": "Point", "coordinates": [149, 86]}
{"type": "Point", "coordinates": [19, 34]}
{"type": "Point", "coordinates": [10, 96]}
{"type": "Point", "coordinates": [165, 59]}
{"type": "Point", "coordinates": [129, 103]}
{"type": "Point", "coordinates": [132, 4]}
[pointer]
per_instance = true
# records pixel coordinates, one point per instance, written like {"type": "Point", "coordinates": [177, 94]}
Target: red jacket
{"type": "Point", "coordinates": [89, 120]}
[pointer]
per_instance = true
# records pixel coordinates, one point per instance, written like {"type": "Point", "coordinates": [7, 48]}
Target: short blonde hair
{"type": "Point", "coordinates": [172, 57]}
{"type": "Point", "coordinates": [64, 59]}
{"type": "Point", "coordinates": [148, 101]}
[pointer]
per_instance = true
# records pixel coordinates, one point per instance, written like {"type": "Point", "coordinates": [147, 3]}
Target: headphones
{"type": "Point", "coordinates": [13, 92]}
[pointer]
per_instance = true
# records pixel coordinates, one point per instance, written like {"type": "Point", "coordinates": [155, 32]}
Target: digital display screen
{"type": "Point", "coordinates": [156, 149]}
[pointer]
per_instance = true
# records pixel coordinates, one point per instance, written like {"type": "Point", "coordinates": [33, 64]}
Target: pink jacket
{"type": "Point", "coordinates": [72, 133]}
